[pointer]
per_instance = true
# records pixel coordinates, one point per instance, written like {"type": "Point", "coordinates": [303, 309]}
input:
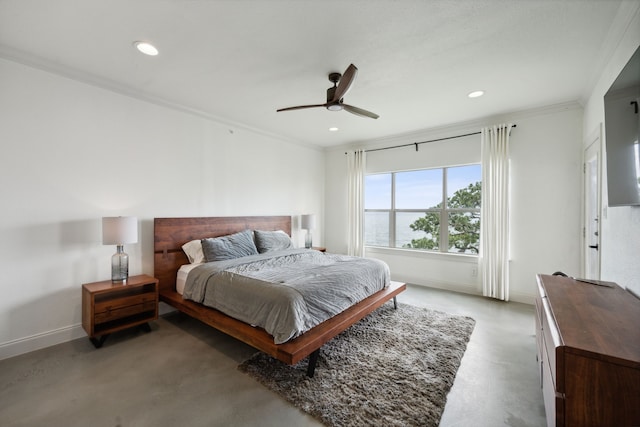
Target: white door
{"type": "Point", "coordinates": [592, 207]}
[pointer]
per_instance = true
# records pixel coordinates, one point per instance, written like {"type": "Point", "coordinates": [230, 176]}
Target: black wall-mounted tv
{"type": "Point", "coordinates": [622, 135]}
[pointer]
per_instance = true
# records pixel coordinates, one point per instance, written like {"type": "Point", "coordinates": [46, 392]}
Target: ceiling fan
{"type": "Point", "coordinates": [335, 102]}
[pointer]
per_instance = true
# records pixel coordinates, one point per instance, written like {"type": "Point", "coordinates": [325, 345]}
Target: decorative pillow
{"type": "Point", "coordinates": [229, 247]}
{"type": "Point", "coordinates": [193, 250]}
{"type": "Point", "coordinates": [267, 241]}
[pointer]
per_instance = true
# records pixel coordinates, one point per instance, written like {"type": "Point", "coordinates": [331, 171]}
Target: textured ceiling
{"type": "Point", "coordinates": [239, 61]}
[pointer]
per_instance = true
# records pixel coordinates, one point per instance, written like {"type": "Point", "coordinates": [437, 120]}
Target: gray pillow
{"type": "Point", "coordinates": [229, 247]}
{"type": "Point", "coordinates": [267, 241]}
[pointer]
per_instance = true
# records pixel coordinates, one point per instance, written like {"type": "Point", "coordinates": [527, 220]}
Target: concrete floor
{"type": "Point", "coordinates": [184, 373]}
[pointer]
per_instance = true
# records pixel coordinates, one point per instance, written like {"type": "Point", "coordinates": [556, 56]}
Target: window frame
{"type": "Point", "coordinates": [443, 213]}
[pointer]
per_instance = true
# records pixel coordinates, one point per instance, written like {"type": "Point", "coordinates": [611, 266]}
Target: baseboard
{"type": "Point", "coordinates": [442, 284]}
{"type": "Point", "coordinates": [42, 340]}
{"type": "Point", "coordinates": [471, 290]}
{"type": "Point", "coordinates": [523, 298]}
{"type": "Point", "coordinates": [49, 338]}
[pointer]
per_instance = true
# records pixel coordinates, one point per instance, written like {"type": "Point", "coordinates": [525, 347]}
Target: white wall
{"type": "Point", "coordinates": [620, 233]}
{"type": "Point", "coordinates": [546, 150]}
{"type": "Point", "coordinates": [73, 153]}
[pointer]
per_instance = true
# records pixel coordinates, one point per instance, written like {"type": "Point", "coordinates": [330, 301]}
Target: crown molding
{"type": "Point", "coordinates": [627, 14]}
{"type": "Point", "coordinates": [457, 128]}
{"type": "Point", "coordinates": [51, 67]}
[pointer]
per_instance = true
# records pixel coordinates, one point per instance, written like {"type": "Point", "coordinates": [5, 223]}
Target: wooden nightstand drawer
{"type": "Point", "coordinates": [123, 302]}
{"type": "Point", "coordinates": [119, 313]}
{"type": "Point", "coordinates": [109, 307]}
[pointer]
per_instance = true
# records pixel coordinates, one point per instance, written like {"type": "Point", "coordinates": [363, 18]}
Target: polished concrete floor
{"type": "Point", "coordinates": [184, 373]}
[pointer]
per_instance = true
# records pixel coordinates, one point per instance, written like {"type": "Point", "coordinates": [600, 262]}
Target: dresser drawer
{"type": "Point", "coordinates": [539, 337]}
{"type": "Point", "coordinates": [549, 395]}
{"type": "Point", "coordinates": [551, 347]}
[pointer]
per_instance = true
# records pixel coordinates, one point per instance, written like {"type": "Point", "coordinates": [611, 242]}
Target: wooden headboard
{"type": "Point", "coordinates": [171, 233]}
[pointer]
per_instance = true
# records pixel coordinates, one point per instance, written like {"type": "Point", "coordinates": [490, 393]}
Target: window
{"type": "Point", "coordinates": [407, 209]}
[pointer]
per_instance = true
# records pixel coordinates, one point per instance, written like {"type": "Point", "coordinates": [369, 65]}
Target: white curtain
{"type": "Point", "coordinates": [494, 229]}
{"type": "Point", "coordinates": [355, 169]}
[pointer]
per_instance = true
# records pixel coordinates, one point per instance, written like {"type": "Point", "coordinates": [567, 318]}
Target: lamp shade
{"type": "Point", "coordinates": [118, 230]}
{"type": "Point", "coordinates": [308, 222]}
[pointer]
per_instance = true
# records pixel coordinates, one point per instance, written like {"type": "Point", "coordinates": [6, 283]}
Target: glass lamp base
{"type": "Point", "coordinates": [308, 240]}
{"type": "Point", "coordinates": [119, 266]}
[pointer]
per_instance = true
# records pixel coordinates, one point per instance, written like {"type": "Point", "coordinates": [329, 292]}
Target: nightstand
{"type": "Point", "coordinates": [109, 307]}
{"type": "Point", "coordinates": [319, 248]}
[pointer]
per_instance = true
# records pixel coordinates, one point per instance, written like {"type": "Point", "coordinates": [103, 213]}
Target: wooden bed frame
{"type": "Point", "coordinates": [169, 236]}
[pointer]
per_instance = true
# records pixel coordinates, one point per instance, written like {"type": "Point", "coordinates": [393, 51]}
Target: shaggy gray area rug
{"type": "Point", "coordinates": [393, 368]}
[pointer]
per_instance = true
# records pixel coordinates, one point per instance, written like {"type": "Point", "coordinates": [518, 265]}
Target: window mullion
{"type": "Point", "coordinates": [444, 218]}
{"type": "Point", "coordinates": [392, 213]}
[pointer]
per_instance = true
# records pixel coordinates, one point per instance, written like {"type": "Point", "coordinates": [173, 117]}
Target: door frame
{"type": "Point", "coordinates": [592, 142]}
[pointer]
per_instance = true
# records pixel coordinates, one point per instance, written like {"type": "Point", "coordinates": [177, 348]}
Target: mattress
{"type": "Point", "coordinates": [183, 272]}
{"type": "Point", "coordinates": [286, 292]}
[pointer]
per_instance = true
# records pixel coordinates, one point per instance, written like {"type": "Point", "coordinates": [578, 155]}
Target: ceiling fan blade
{"type": "Point", "coordinates": [300, 107]}
{"type": "Point", "coordinates": [359, 111]}
{"type": "Point", "coordinates": [345, 83]}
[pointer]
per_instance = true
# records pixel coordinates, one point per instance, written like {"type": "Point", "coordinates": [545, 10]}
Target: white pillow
{"type": "Point", "coordinates": [193, 250]}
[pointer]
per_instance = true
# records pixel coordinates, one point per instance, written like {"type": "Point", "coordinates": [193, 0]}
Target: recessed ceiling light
{"type": "Point", "coordinates": [476, 94]}
{"type": "Point", "coordinates": [333, 129]}
{"type": "Point", "coordinates": [146, 48]}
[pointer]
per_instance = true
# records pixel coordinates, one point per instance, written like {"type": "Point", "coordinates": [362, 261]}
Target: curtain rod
{"type": "Point", "coordinates": [424, 142]}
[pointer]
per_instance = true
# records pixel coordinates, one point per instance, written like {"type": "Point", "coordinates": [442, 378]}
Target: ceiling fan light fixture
{"type": "Point", "coordinates": [341, 85]}
{"type": "Point", "coordinates": [146, 48]}
{"type": "Point", "coordinates": [476, 94]}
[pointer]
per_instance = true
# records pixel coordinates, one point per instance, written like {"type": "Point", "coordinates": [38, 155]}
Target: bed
{"type": "Point", "coordinates": [170, 234]}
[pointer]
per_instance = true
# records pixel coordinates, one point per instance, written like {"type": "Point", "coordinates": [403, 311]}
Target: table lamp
{"type": "Point", "coordinates": [118, 231]}
{"type": "Point", "coordinates": [308, 222]}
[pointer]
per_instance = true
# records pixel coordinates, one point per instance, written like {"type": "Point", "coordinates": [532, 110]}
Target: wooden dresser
{"type": "Point", "coordinates": [588, 350]}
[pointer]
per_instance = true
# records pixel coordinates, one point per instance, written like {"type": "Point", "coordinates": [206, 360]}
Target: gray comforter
{"type": "Point", "coordinates": [286, 292]}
